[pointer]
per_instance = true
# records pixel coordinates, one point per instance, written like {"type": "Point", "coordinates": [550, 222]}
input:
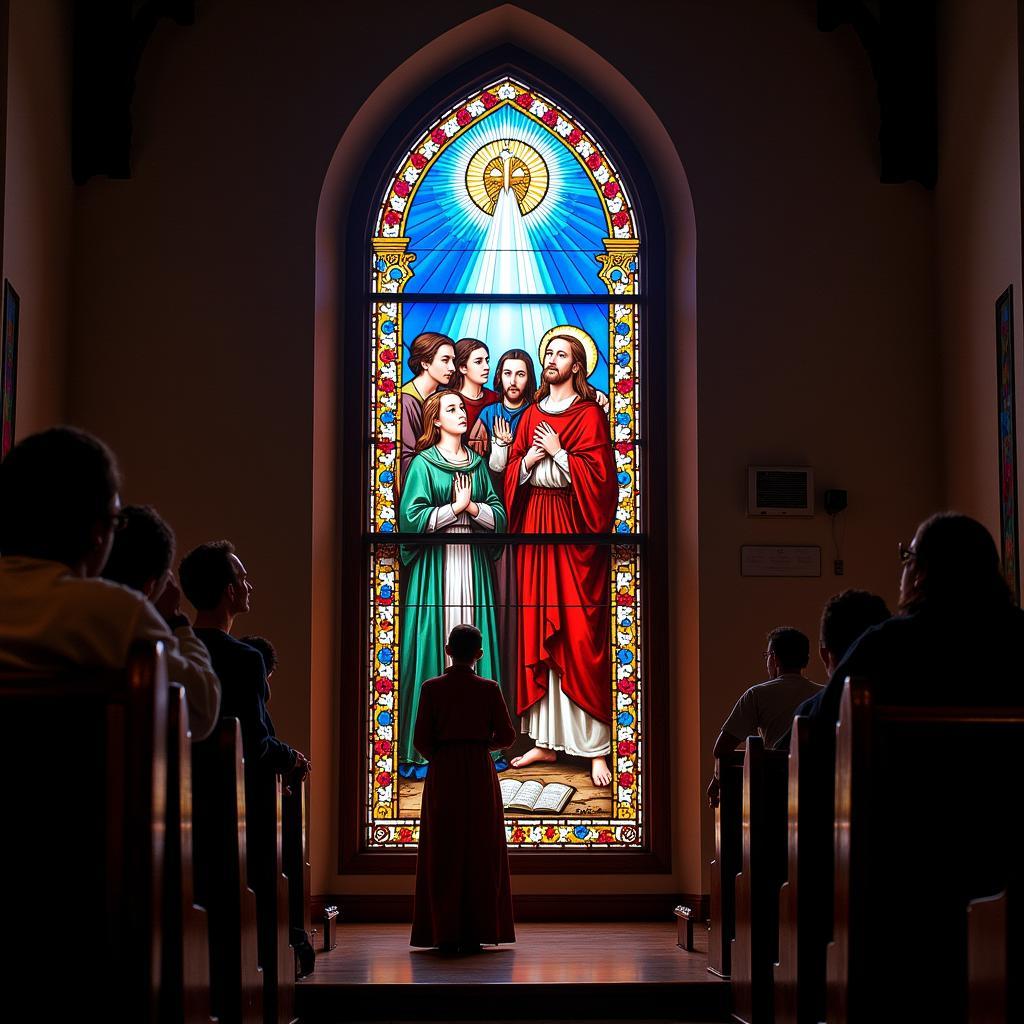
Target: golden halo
{"type": "Point", "coordinates": [573, 332]}
{"type": "Point", "coordinates": [527, 175]}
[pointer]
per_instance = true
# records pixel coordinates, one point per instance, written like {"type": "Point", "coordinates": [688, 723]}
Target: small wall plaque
{"type": "Point", "coordinates": [783, 560]}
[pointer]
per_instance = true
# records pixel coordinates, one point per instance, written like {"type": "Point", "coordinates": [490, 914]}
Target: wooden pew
{"type": "Point", "coordinates": [295, 847]}
{"type": "Point", "coordinates": [83, 852]}
{"type": "Point", "coordinates": [277, 958]}
{"type": "Point", "coordinates": [728, 854]}
{"type": "Point", "coordinates": [926, 817]}
{"type": "Point", "coordinates": [987, 955]}
{"type": "Point", "coordinates": [221, 875]}
{"type": "Point", "coordinates": [763, 870]}
{"type": "Point", "coordinates": [805, 919]}
{"type": "Point", "coordinates": [185, 974]}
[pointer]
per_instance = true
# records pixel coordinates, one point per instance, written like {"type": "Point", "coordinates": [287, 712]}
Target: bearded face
{"type": "Point", "coordinates": [558, 363]}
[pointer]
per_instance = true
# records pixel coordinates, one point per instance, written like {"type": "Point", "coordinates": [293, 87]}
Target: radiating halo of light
{"type": "Point", "coordinates": [528, 179]}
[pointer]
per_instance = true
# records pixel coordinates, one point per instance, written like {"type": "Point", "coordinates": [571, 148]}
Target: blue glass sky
{"type": "Point", "coordinates": [550, 250]}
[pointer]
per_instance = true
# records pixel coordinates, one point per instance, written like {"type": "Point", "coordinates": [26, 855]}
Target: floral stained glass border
{"type": "Point", "coordinates": [391, 268]}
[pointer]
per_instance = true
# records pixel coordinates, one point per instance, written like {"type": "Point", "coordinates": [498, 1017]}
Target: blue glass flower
{"type": "Point", "coordinates": [625, 657]}
{"type": "Point", "coordinates": [387, 527]}
{"type": "Point", "coordinates": [385, 657]}
{"type": "Point", "coordinates": [388, 327]}
{"type": "Point", "coordinates": [387, 417]}
{"type": "Point", "coordinates": [632, 264]}
{"type": "Point", "coordinates": [387, 477]}
{"type": "Point", "coordinates": [622, 418]}
{"type": "Point", "coordinates": [622, 359]}
{"type": "Point", "coordinates": [622, 528]}
{"type": "Point", "coordinates": [386, 591]}
{"type": "Point", "coordinates": [622, 328]}
{"type": "Point", "coordinates": [396, 274]}
{"type": "Point", "coordinates": [625, 718]}
{"type": "Point", "coordinates": [381, 265]}
{"type": "Point", "coordinates": [581, 831]}
{"type": "Point", "coordinates": [384, 718]}
{"type": "Point", "coordinates": [626, 623]}
{"type": "Point", "coordinates": [623, 479]}
{"type": "Point", "coordinates": [616, 275]}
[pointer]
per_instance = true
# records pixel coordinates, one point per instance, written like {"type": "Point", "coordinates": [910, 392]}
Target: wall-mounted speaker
{"type": "Point", "coordinates": [780, 491]}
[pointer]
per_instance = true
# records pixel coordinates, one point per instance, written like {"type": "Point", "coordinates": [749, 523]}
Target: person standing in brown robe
{"type": "Point", "coordinates": [463, 892]}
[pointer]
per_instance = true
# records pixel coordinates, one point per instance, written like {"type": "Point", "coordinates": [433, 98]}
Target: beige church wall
{"type": "Point", "coordinates": [202, 293]}
{"type": "Point", "coordinates": [38, 203]}
{"type": "Point", "coordinates": [978, 239]}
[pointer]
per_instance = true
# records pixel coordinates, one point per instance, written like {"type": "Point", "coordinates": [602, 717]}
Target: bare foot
{"type": "Point", "coordinates": [600, 772]}
{"type": "Point", "coordinates": [536, 755]}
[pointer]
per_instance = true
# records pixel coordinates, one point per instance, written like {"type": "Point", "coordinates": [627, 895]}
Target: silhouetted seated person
{"type": "Point", "coordinates": [216, 583]}
{"type": "Point", "coordinates": [844, 620]}
{"type": "Point", "coordinates": [267, 651]}
{"type": "Point", "coordinates": [463, 895]}
{"type": "Point", "coordinates": [141, 559]}
{"type": "Point", "coordinates": [767, 708]}
{"type": "Point", "coordinates": [59, 511]}
{"type": "Point", "coordinates": [958, 638]}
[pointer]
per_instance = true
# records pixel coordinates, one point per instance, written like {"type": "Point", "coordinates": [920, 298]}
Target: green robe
{"type": "Point", "coordinates": [427, 486]}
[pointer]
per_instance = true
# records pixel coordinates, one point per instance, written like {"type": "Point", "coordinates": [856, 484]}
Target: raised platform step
{"type": "Point", "coordinates": [570, 971]}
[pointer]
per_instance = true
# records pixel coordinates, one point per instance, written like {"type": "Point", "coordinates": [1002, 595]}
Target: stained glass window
{"type": "Point", "coordinates": [506, 232]}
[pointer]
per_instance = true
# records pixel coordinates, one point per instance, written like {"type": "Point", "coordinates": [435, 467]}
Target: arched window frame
{"type": "Point", "coordinates": [356, 227]}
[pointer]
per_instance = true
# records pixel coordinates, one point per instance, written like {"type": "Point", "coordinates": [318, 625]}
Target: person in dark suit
{"type": "Point", "coordinates": [215, 581]}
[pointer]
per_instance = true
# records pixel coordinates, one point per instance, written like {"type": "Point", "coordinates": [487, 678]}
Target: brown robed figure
{"type": "Point", "coordinates": [463, 894]}
{"type": "Point", "coordinates": [561, 479]}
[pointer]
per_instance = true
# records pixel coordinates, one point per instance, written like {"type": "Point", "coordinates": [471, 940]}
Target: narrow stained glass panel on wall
{"type": "Point", "coordinates": [506, 238]}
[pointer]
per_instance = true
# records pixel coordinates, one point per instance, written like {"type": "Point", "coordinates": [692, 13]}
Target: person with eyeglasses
{"type": "Point", "coordinates": [59, 513]}
{"type": "Point", "coordinates": [767, 708]}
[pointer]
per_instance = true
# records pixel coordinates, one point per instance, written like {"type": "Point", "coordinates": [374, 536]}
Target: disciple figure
{"type": "Point", "coordinates": [561, 479]}
{"type": "Point", "coordinates": [448, 490]}
{"type": "Point", "coordinates": [515, 383]}
{"type": "Point", "coordinates": [432, 362]}
{"type": "Point", "coordinates": [472, 365]}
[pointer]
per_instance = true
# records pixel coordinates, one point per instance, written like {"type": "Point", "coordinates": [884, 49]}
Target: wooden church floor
{"type": "Point", "coordinates": [620, 971]}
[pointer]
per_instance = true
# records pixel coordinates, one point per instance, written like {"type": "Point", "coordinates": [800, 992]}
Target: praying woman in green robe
{"type": "Point", "coordinates": [447, 489]}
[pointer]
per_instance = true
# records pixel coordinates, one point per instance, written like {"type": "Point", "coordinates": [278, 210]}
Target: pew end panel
{"type": "Point", "coordinates": [925, 818]}
{"type": "Point", "coordinates": [728, 854]}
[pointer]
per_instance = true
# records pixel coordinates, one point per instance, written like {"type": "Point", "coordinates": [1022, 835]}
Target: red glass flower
{"type": "Point", "coordinates": [401, 188]}
{"type": "Point", "coordinates": [404, 835]}
{"type": "Point", "coordinates": [463, 117]}
{"type": "Point", "coordinates": [525, 100]}
{"type": "Point", "coordinates": [392, 217]}
{"type": "Point", "coordinates": [624, 386]}
{"type": "Point", "coordinates": [626, 780]}
{"type": "Point", "coordinates": [623, 447]}
{"type": "Point", "coordinates": [438, 137]}
{"type": "Point", "coordinates": [623, 598]}
{"type": "Point", "coordinates": [611, 189]}
{"type": "Point", "coordinates": [419, 161]}
{"type": "Point", "coordinates": [386, 356]}
{"type": "Point", "coordinates": [386, 385]}
{"type": "Point", "coordinates": [575, 136]}
{"type": "Point", "coordinates": [384, 685]}
{"type": "Point", "coordinates": [387, 447]}
{"type": "Point", "coordinates": [626, 747]}
{"type": "Point", "coordinates": [606, 836]}
{"type": "Point", "coordinates": [488, 99]}
{"type": "Point", "coordinates": [550, 832]}
{"type": "Point", "coordinates": [383, 779]}
{"type": "Point", "coordinates": [382, 748]}
{"type": "Point", "coordinates": [594, 161]}
{"type": "Point", "coordinates": [627, 686]}
{"type": "Point", "coordinates": [518, 835]}
{"type": "Point", "coordinates": [550, 118]}
{"type": "Point", "coordinates": [621, 219]}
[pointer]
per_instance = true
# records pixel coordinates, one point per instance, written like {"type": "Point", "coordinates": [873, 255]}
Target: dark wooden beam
{"type": "Point", "coordinates": [109, 39]}
{"type": "Point", "coordinates": [898, 37]}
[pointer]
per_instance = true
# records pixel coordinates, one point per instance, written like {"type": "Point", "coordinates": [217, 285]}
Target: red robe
{"type": "Point", "coordinates": [463, 895]}
{"type": "Point", "coordinates": [474, 406]}
{"type": "Point", "coordinates": [564, 589]}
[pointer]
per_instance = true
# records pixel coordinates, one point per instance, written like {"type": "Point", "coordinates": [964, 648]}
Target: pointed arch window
{"type": "Point", "coordinates": [508, 222]}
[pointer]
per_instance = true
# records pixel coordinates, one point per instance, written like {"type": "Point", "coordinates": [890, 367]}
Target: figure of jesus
{"type": "Point", "coordinates": [561, 479]}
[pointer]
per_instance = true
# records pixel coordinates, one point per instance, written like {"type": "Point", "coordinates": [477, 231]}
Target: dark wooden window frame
{"type": "Point", "coordinates": [354, 230]}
